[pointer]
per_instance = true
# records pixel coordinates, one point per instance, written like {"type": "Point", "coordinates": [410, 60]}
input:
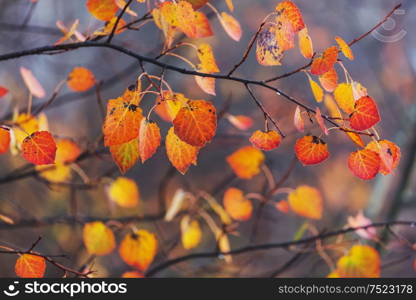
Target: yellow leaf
{"type": "Point", "coordinates": [191, 233]}
{"type": "Point", "coordinates": [237, 206]}
{"type": "Point", "coordinates": [344, 97]}
{"type": "Point", "coordinates": [360, 261]}
{"type": "Point", "coordinates": [125, 155]}
{"type": "Point", "coordinates": [307, 202]}
{"type": "Point", "coordinates": [317, 91]}
{"type": "Point", "coordinates": [98, 238]}
{"type": "Point", "coordinates": [124, 192]}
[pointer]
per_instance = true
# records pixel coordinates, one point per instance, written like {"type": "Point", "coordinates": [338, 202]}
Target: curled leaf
{"type": "Point", "coordinates": [265, 140]}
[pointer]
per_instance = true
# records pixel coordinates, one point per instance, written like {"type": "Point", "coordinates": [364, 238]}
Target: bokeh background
{"type": "Point", "coordinates": [384, 63]}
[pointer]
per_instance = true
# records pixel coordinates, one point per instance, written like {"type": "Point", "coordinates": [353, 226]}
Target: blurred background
{"type": "Point", "coordinates": [385, 63]}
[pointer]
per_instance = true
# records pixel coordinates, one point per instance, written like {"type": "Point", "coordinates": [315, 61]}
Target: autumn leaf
{"type": "Point", "coordinates": [317, 91]}
{"type": "Point", "coordinates": [329, 80]}
{"type": "Point", "coordinates": [207, 84]}
{"type": "Point", "coordinates": [30, 266]}
{"type": "Point", "coordinates": [125, 155]}
{"type": "Point", "coordinates": [320, 120]}
{"type": "Point", "coordinates": [4, 139]}
{"type": "Point", "coordinates": [311, 150]}
{"type": "Point", "coordinates": [325, 62]}
{"type": "Point", "coordinates": [389, 154]}
{"type": "Point", "coordinates": [122, 121]}
{"type": "Point", "coordinates": [3, 91]}
{"type": "Point", "coordinates": [237, 205]}
{"type": "Point", "coordinates": [39, 148]}
{"type": "Point", "coordinates": [207, 59]}
{"type": "Point", "coordinates": [246, 162]}
{"type": "Point", "coordinates": [344, 97]}
{"type": "Point", "coordinates": [306, 201]}
{"type": "Point", "coordinates": [80, 79]}
{"type": "Point", "coordinates": [364, 163]}
{"type": "Point", "coordinates": [180, 154]}
{"type": "Point", "coordinates": [98, 238]}
{"type": "Point", "coordinates": [149, 139]}
{"type": "Point", "coordinates": [196, 122]}
{"type": "Point", "coordinates": [103, 10]}
{"type": "Point", "coordinates": [291, 12]}
{"type": "Point", "coordinates": [25, 124]}
{"type": "Point", "coordinates": [67, 151]}
{"type": "Point", "coordinates": [345, 48]}
{"type": "Point", "coordinates": [138, 249]}
{"type": "Point", "coordinates": [108, 28]}
{"type": "Point", "coordinates": [282, 206]}
{"type": "Point", "coordinates": [132, 274]}
{"type": "Point", "coordinates": [124, 192]}
{"type": "Point", "coordinates": [169, 105]}
{"type": "Point", "coordinates": [203, 28]}
{"type": "Point", "coordinates": [231, 26]}
{"type": "Point", "coordinates": [265, 140]}
{"type": "Point", "coordinates": [305, 43]}
{"type": "Point", "coordinates": [32, 83]}
{"type": "Point", "coordinates": [197, 4]}
{"type": "Point", "coordinates": [268, 51]}
{"type": "Point", "coordinates": [240, 121]}
{"type": "Point", "coordinates": [361, 261]}
{"type": "Point", "coordinates": [365, 114]}
{"type": "Point", "coordinates": [356, 138]}
{"type": "Point", "coordinates": [191, 233]}
{"type": "Point", "coordinates": [298, 120]}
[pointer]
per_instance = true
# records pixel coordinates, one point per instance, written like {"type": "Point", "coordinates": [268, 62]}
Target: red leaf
{"type": "Point", "coordinates": [325, 62]}
{"type": "Point", "coordinates": [265, 140]}
{"type": "Point", "coordinates": [4, 139]}
{"type": "Point", "coordinates": [311, 150]}
{"type": "Point", "coordinates": [39, 148]}
{"type": "Point", "coordinates": [365, 163]}
{"type": "Point", "coordinates": [365, 114]}
{"type": "Point", "coordinates": [3, 91]}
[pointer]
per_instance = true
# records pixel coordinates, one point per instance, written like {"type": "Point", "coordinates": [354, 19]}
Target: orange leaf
{"type": "Point", "coordinates": [108, 28]}
{"type": "Point", "coordinates": [32, 83]}
{"type": "Point", "coordinates": [168, 107]}
{"type": "Point", "coordinates": [122, 122]}
{"type": "Point", "coordinates": [325, 62]}
{"type": "Point", "coordinates": [180, 154]}
{"type": "Point", "coordinates": [365, 114]}
{"type": "Point", "coordinates": [265, 140]}
{"type": "Point", "coordinates": [98, 238]}
{"type": "Point", "coordinates": [298, 120]}
{"type": "Point", "coordinates": [329, 80]}
{"type": "Point", "coordinates": [268, 51]}
{"type": "Point", "coordinates": [361, 261]}
{"type": "Point", "coordinates": [231, 26]}
{"type": "Point", "coordinates": [3, 91]}
{"type": "Point", "coordinates": [389, 154]}
{"type": "Point", "coordinates": [230, 4]}
{"type": "Point", "coordinates": [345, 48]}
{"type": "Point", "coordinates": [282, 206]}
{"type": "Point", "coordinates": [307, 202]}
{"type": "Point", "coordinates": [103, 10]}
{"type": "Point", "coordinates": [30, 266]}
{"type": "Point", "coordinates": [196, 4]}
{"type": "Point", "coordinates": [246, 162]}
{"type": "Point", "coordinates": [125, 155]}
{"type": "Point", "coordinates": [149, 139]}
{"type": "Point", "coordinates": [124, 191]}
{"type": "Point", "coordinates": [365, 163]}
{"type": "Point", "coordinates": [39, 148]}
{"type": "Point", "coordinates": [305, 43]}
{"type": "Point", "coordinates": [67, 151]}
{"type": "Point", "coordinates": [241, 122]}
{"type": "Point", "coordinates": [203, 28]}
{"type": "Point", "coordinates": [321, 121]}
{"type": "Point", "coordinates": [196, 122]}
{"type": "Point", "coordinates": [236, 205]}
{"type": "Point", "coordinates": [80, 79]}
{"type": "Point", "coordinates": [311, 150]}
{"type": "Point", "coordinates": [132, 274]}
{"type": "Point", "coordinates": [138, 249]}
{"type": "Point", "coordinates": [290, 11]}
{"type": "Point", "coordinates": [4, 139]}
{"type": "Point", "coordinates": [344, 97]}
